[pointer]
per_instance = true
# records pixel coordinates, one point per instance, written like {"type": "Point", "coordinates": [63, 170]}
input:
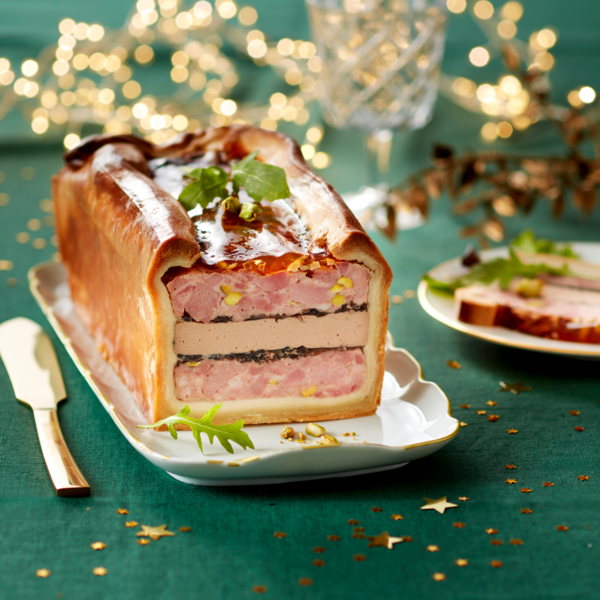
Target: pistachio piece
{"type": "Point", "coordinates": [328, 440]}
{"type": "Point", "coordinates": [346, 282]}
{"type": "Point", "coordinates": [232, 204]}
{"type": "Point", "coordinates": [338, 300]}
{"type": "Point", "coordinates": [226, 288]}
{"type": "Point", "coordinates": [301, 435]}
{"type": "Point", "coordinates": [232, 298]}
{"type": "Point", "coordinates": [287, 433]}
{"type": "Point", "coordinates": [529, 288]}
{"type": "Point", "coordinates": [309, 391]}
{"type": "Point", "coordinates": [273, 382]}
{"type": "Point", "coordinates": [315, 430]}
{"type": "Point", "coordinates": [336, 288]}
{"type": "Point", "coordinates": [192, 364]}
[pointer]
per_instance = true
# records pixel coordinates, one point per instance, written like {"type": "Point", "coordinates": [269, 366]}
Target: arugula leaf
{"type": "Point", "coordinates": [210, 183]}
{"type": "Point", "coordinates": [223, 433]}
{"type": "Point", "coordinates": [527, 242]}
{"type": "Point", "coordinates": [503, 270]}
{"type": "Point", "coordinates": [261, 181]}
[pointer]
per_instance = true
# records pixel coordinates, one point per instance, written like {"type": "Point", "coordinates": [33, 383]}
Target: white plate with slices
{"type": "Point", "coordinates": [444, 308]}
{"type": "Point", "coordinates": [413, 420]}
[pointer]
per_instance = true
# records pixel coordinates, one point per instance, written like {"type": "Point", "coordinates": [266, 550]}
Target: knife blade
{"type": "Point", "coordinates": [33, 369]}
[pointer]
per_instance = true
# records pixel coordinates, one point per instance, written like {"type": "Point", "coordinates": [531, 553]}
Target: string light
{"type": "Point", "coordinates": [483, 9]}
{"type": "Point", "coordinates": [587, 94]}
{"type": "Point", "coordinates": [479, 56]}
{"type": "Point", "coordinates": [456, 6]}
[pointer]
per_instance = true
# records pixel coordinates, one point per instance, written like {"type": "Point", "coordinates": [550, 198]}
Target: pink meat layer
{"type": "Point", "coordinates": [332, 372]}
{"type": "Point", "coordinates": [199, 292]}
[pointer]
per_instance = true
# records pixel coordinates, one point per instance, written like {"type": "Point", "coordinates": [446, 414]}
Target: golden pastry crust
{"type": "Point", "coordinates": [119, 233]}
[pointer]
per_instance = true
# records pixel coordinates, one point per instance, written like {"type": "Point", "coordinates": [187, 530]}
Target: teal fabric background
{"type": "Point", "coordinates": [231, 546]}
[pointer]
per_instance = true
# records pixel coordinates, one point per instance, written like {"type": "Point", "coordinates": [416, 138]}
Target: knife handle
{"type": "Point", "coordinates": [64, 472]}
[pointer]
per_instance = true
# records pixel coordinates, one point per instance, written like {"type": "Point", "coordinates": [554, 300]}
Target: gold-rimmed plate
{"type": "Point", "coordinates": [444, 309]}
{"type": "Point", "coordinates": [413, 420]}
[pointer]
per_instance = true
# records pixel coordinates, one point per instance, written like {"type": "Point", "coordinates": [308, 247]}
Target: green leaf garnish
{"type": "Point", "coordinates": [223, 433]}
{"type": "Point", "coordinates": [261, 181]}
{"type": "Point", "coordinates": [527, 242]}
{"type": "Point", "coordinates": [502, 270]}
{"type": "Point", "coordinates": [210, 183]}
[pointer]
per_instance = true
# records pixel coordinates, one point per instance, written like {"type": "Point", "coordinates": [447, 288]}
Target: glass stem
{"type": "Point", "coordinates": [377, 156]}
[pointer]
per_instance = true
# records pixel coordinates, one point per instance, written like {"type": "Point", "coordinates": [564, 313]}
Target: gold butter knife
{"type": "Point", "coordinates": [33, 370]}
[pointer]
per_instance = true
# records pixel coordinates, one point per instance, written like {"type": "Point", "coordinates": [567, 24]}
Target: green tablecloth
{"type": "Point", "coordinates": [231, 546]}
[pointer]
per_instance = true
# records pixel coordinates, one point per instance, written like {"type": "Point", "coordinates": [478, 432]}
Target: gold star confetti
{"type": "Point", "coordinates": [579, 429]}
{"type": "Point", "coordinates": [279, 534]}
{"type": "Point", "coordinates": [526, 490]}
{"type": "Point", "coordinates": [463, 424]}
{"type": "Point", "coordinates": [491, 403]}
{"type": "Point", "coordinates": [318, 562]}
{"type": "Point", "coordinates": [359, 557]}
{"type": "Point", "coordinates": [131, 523]}
{"type": "Point", "coordinates": [185, 529]}
{"type": "Point", "coordinates": [154, 533]}
{"type": "Point", "coordinates": [574, 412]}
{"type": "Point", "coordinates": [516, 388]}
{"type": "Point", "coordinates": [526, 511]}
{"type": "Point", "coordinates": [397, 517]}
{"type": "Point", "coordinates": [439, 504]}
{"type": "Point", "coordinates": [438, 577]}
{"type": "Point", "coordinates": [305, 581]}
{"type": "Point", "coordinates": [122, 511]}
{"type": "Point", "coordinates": [482, 412]}
{"type": "Point", "coordinates": [353, 522]}
{"type": "Point", "coordinates": [497, 564]}
{"type": "Point", "coordinates": [406, 538]}
{"type": "Point", "coordinates": [513, 431]}
{"type": "Point", "coordinates": [259, 589]}
{"type": "Point", "coordinates": [358, 536]}
{"type": "Point", "coordinates": [11, 281]}
{"type": "Point", "coordinates": [98, 546]}
{"type": "Point", "coordinates": [458, 525]}
{"type": "Point", "coordinates": [376, 509]}
{"type": "Point", "coordinates": [463, 498]}
{"type": "Point", "coordinates": [493, 418]}
{"type": "Point", "coordinates": [516, 542]}
{"type": "Point", "coordinates": [453, 364]}
{"type": "Point", "coordinates": [496, 542]}
{"type": "Point", "coordinates": [383, 540]}
{"type": "Point", "coordinates": [143, 542]}
{"type": "Point", "coordinates": [547, 484]}
{"type": "Point", "coordinates": [43, 573]}
{"type": "Point", "coordinates": [433, 548]}
{"type": "Point", "coordinates": [318, 550]}
{"type": "Point", "coordinates": [100, 571]}
{"type": "Point", "coordinates": [465, 406]}
{"type": "Point", "coordinates": [510, 467]}
{"type": "Point", "coordinates": [409, 294]}
{"type": "Point", "coordinates": [358, 529]}
{"type": "Point", "coordinates": [397, 299]}
{"type": "Point", "coordinates": [511, 481]}
{"type": "Point", "coordinates": [583, 478]}
{"type": "Point", "coordinates": [461, 562]}
{"type": "Point", "coordinates": [491, 531]}
{"type": "Point", "coordinates": [333, 538]}
{"type": "Point", "coordinates": [562, 528]}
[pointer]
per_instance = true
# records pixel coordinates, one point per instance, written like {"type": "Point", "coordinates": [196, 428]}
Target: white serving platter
{"type": "Point", "coordinates": [444, 309]}
{"type": "Point", "coordinates": [413, 421]}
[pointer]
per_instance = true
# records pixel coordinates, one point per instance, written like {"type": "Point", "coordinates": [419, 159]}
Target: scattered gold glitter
{"type": "Point", "coordinates": [497, 564]}
{"type": "Point", "coordinates": [458, 525]}
{"type": "Point", "coordinates": [491, 531]}
{"type": "Point", "coordinates": [259, 589]}
{"type": "Point", "coordinates": [562, 528]}
{"type": "Point", "coordinates": [433, 548]}
{"type": "Point", "coordinates": [100, 571]}
{"type": "Point", "coordinates": [496, 542]}
{"type": "Point", "coordinates": [574, 412]}
{"type": "Point", "coordinates": [584, 478]}
{"type": "Point", "coordinates": [439, 504]}
{"type": "Point", "coordinates": [511, 481]}
{"type": "Point", "coordinates": [358, 536]}
{"type": "Point", "coordinates": [438, 577]}
{"type": "Point", "coordinates": [516, 542]}
{"type": "Point", "coordinates": [318, 550]}
{"type": "Point", "coordinates": [461, 562]}
{"type": "Point", "coordinates": [526, 511]}
{"type": "Point", "coordinates": [360, 557]}
{"type": "Point", "coordinates": [526, 490]}
{"type": "Point", "coordinates": [131, 523]}
{"type": "Point", "coordinates": [98, 545]}
{"type": "Point", "coordinates": [397, 517]}
{"type": "Point", "coordinates": [454, 364]}
{"type": "Point", "coordinates": [409, 294]}
{"type": "Point", "coordinates": [406, 538]}
{"type": "Point", "coordinates": [493, 418]}
{"type": "Point", "coordinates": [383, 540]}
{"type": "Point", "coordinates": [318, 562]}
{"type": "Point", "coordinates": [27, 173]}
{"type": "Point", "coordinates": [154, 533]}
{"type": "Point", "coordinates": [39, 243]}
{"type": "Point", "coordinates": [491, 403]}
{"type": "Point", "coordinates": [305, 581]}
{"type": "Point", "coordinates": [397, 299]}
{"type": "Point", "coordinates": [376, 509]}
{"type": "Point", "coordinates": [358, 529]}
{"type": "Point", "coordinates": [510, 467]}
{"type": "Point", "coordinates": [579, 428]}
{"type": "Point", "coordinates": [353, 522]}
{"type": "Point", "coordinates": [482, 412]}
{"type": "Point", "coordinates": [185, 529]}
{"type": "Point", "coordinates": [512, 431]}
{"type": "Point", "coordinates": [516, 388]}
{"type": "Point", "coordinates": [547, 484]}
{"type": "Point", "coordinates": [6, 265]}
{"type": "Point", "coordinates": [465, 406]}
{"type": "Point", "coordinates": [23, 237]}
{"type": "Point", "coordinates": [43, 573]}
{"type": "Point", "coordinates": [143, 542]}
{"type": "Point", "coordinates": [279, 534]}
{"type": "Point", "coordinates": [333, 538]}
{"type": "Point", "coordinates": [463, 498]}
{"type": "Point", "coordinates": [122, 511]}
{"type": "Point", "coordinates": [463, 424]}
